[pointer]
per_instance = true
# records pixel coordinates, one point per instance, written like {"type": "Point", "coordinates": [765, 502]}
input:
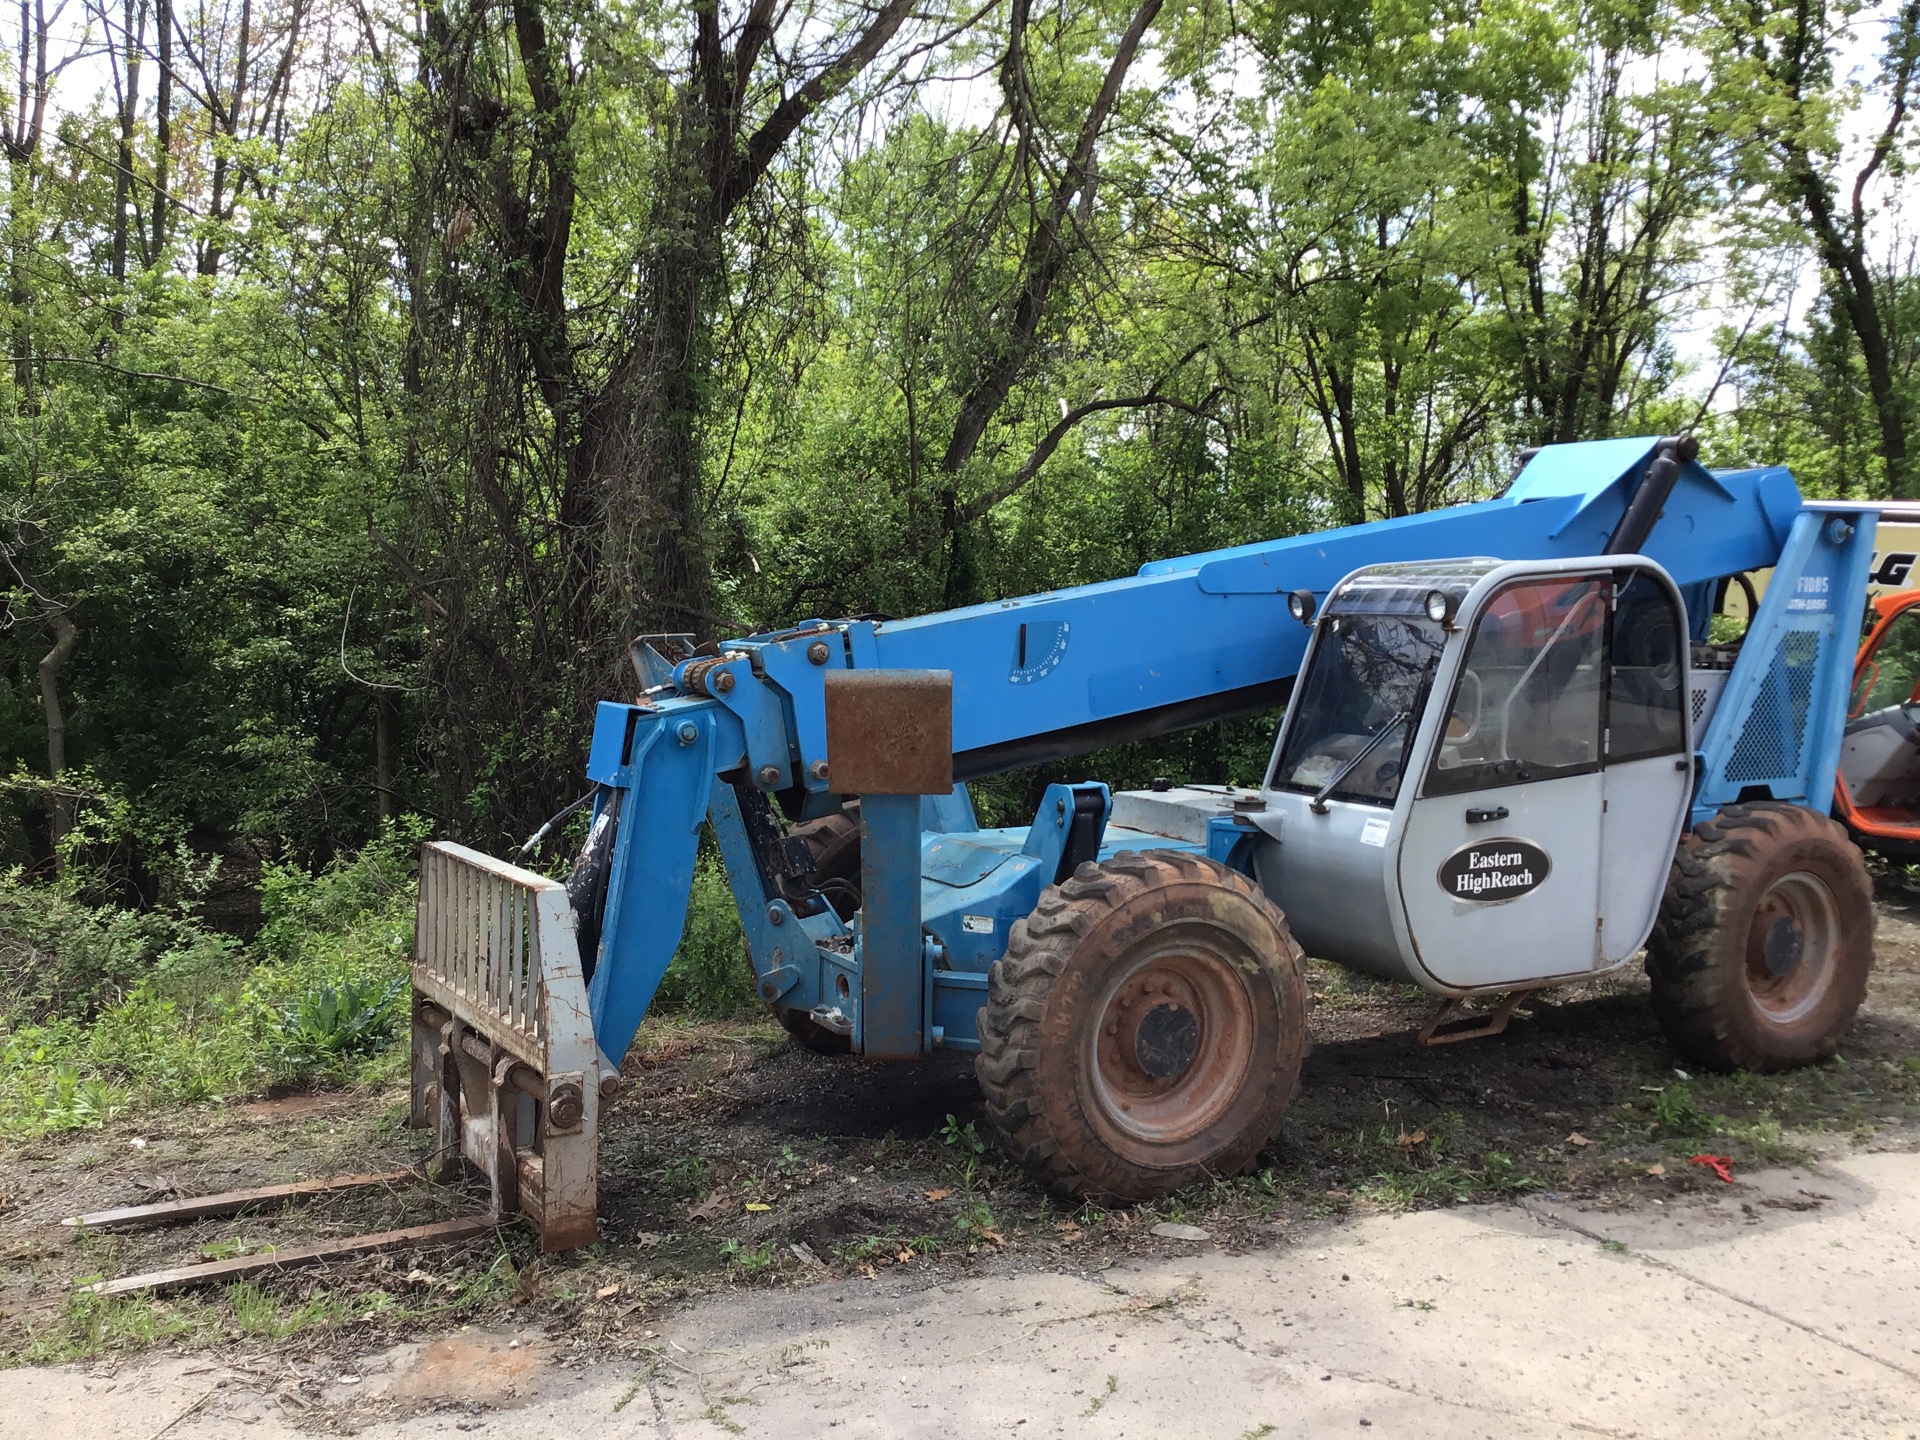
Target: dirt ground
{"type": "Point", "coordinates": [734, 1160]}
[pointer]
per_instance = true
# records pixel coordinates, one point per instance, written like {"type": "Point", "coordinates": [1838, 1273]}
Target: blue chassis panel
{"type": "Point", "coordinates": [1179, 630]}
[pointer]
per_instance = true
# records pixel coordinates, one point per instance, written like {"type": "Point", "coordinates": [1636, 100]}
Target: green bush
{"type": "Point", "coordinates": [333, 1024]}
{"type": "Point", "coordinates": [104, 1009]}
{"type": "Point", "coordinates": [710, 976]}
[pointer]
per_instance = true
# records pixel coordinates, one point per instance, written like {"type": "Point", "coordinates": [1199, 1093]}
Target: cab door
{"type": "Point", "coordinates": [1553, 796]}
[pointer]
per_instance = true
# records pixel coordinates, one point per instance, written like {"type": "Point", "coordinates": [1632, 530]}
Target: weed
{"type": "Point", "coordinates": [331, 1024]}
{"type": "Point", "coordinates": [258, 1312]}
{"type": "Point", "coordinates": [747, 1262]}
{"type": "Point", "coordinates": [1259, 1432]}
{"type": "Point", "coordinates": [88, 1325]}
{"type": "Point", "coordinates": [687, 1175]}
{"type": "Point", "coordinates": [862, 1251]}
{"type": "Point", "coordinates": [1614, 1247]}
{"type": "Point", "coordinates": [1765, 1141]}
{"type": "Point", "coordinates": [963, 1137]}
{"type": "Point", "coordinates": [1093, 1406]}
{"type": "Point", "coordinates": [626, 1396]}
{"type": "Point", "coordinates": [975, 1218]}
{"type": "Point", "coordinates": [1677, 1113]}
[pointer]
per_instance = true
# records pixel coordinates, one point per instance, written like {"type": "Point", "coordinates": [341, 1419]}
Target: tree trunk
{"type": "Point", "coordinates": [383, 757]}
{"type": "Point", "coordinates": [135, 23]}
{"type": "Point", "coordinates": [162, 126]}
{"type": "Point", "coordinates": [66, 635]}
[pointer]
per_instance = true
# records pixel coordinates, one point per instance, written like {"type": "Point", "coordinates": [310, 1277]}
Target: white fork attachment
{"type": "Point", "coordinates": [506, 1071]}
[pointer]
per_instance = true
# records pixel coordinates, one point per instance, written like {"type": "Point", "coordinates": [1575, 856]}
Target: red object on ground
{"type": "Point", "coordinates": [1719, 1164]}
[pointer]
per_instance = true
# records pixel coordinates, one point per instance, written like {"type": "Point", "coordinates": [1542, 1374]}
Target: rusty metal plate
{"type": "Point", "coordinates": [890, 732]}
{"type": "Point", "coordinates": [220, 1272]}
{"type": "Point", "coordinates": [229, 1202]}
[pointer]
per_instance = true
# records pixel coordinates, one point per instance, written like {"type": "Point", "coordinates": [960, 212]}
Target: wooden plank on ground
{"type": "Point", "coordinates": [227, 1202]}
{"type": "Point", "coordinates": [219, 1272]}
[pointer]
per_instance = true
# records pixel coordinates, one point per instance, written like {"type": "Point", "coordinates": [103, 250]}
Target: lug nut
{"type": "Point", "coordinates": [769, 775]}
{"type": "Point", "coordinates": [775, 915]}
{"type": "Point", "coordinates": [723, 682]}
{"type": "Point", "coordinates": [688, 732]}
{"type": "Point", "coordinates": [817, 652]}
{"type": "Point", "coordinates": [818, 770]}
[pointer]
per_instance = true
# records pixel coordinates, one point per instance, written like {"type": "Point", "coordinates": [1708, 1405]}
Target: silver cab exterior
{"type": "Point", "coordinates": [1483, 772]}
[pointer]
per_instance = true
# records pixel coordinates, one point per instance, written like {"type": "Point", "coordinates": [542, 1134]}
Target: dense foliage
{"type": "Point", "coordinates": [376, 372]}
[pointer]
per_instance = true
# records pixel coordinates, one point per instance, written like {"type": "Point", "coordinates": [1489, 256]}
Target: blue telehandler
{"type": "Point", "coordinates": [1511, 758]}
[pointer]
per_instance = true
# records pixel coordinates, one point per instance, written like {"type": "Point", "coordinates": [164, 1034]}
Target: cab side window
{"type": "Point", "coordinates": [1645, 695]}
{"type": "Point", "coordinates": [1892, 673]}
{"type": "Point", "coordinates": [1531, 696]}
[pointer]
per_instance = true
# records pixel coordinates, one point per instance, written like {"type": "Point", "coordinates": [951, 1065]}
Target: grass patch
{"type": "Point", "coordinates": [106, 1010]}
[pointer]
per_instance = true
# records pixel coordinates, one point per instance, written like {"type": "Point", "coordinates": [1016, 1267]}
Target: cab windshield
{"type": "Point", "coordinates": [1368, 674]}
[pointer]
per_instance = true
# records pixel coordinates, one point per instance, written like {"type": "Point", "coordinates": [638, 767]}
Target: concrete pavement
{"type": "Point", "coordinates": [1785, 1305]}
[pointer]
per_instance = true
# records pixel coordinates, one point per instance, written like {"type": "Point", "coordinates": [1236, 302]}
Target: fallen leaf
{"type": "Point", "coordinates": [646, 1239]}
{"type": "Point", "coordinates": [904, 1256]}
{"type": "Point", "coordinates": [606, 1292]}
{"type": "Point", "coordinates": [709, 1208]}
{"type": "Point", "coordinates": [867, 1270]}
{"type": "Point", "coordinates": [938, 1194]}
{"type": "Point", "coordinates": [421, 1277]}
{"type": "Point", "coordinates": [803, 1252]}
{"type": "Point", "coordinates": [1407, 1142]}
{"type": "Point", "coordinates": [754, 1207]}
{"type": "Point", "coordinates": [1576, 1138]}
{"type": "Point", "coordinates": [1656, 1169]}
{"type": "Point", "coordinates": [995, 1236]}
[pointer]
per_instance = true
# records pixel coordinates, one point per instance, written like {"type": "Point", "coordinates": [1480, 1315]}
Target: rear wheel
{"type": "Point", "coordinates": [1760, 956]}
{"type": "Point", "coordinates": [1145, 1029]}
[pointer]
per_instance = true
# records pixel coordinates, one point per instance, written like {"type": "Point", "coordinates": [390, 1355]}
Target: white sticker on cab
{"type": "Point", "coordinates": [1374, 832]}
{"type": "Point", "coordinates": [977, 924]}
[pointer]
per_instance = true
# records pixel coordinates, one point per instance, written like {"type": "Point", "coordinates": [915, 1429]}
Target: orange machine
{"type": "Point", "coordinates": [1877, 788]}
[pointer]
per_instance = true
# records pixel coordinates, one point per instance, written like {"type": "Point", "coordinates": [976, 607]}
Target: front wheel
{"type": "Point", "coordinates": [1760, 956]}
{"type": "Point", "coordinates": [1145, 1029]}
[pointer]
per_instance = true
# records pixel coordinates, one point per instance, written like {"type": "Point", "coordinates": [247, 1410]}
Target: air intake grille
{"type": "Point", "coordinates": [1775, 735]}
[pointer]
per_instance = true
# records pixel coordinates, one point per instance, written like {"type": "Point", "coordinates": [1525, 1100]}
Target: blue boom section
{"type": "Point", "coordinates": [1040, 677]}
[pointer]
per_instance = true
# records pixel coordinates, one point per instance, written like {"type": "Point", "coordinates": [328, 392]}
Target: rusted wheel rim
{"type": "Point", "coordinates": [1790, 946]}
{"type": "Point", "coordinates": [1175, 1036]}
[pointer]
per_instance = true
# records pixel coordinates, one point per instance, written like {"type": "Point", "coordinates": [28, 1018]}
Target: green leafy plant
{"type": "Point", "coordinates": [330, 1024]}
{"type": "Point", "coordinates": [963, 1137]}
{"type": "Point", "coordinates": [748, 1262]}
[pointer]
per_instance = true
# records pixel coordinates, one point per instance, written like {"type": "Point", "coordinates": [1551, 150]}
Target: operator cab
{"type": "Point", "coordinates": [1484, 771]}
{"type": "Point", "coordinates": [1879, 769]}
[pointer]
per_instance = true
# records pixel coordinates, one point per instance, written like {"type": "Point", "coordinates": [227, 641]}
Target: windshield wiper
{"type": "Point", "coordinates": [1319, 802]}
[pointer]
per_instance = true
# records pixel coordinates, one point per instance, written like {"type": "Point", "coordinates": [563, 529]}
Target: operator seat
{"type": "Point", "coordinates": [1880, 759]}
